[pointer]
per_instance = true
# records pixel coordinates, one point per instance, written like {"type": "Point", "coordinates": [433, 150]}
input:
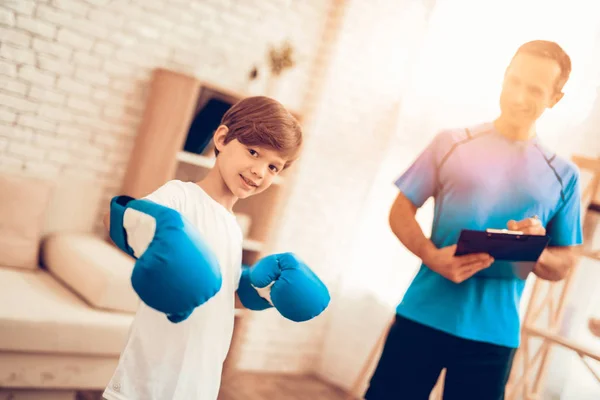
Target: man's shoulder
{"type": "Point", "coordinates": [448, 138]}
{"type": "Point", "coordinates": [466, 132]}
{"type": "Point", "coordinates": [564, 167]}
{"type": "Point", "coordinates": [567, 164]}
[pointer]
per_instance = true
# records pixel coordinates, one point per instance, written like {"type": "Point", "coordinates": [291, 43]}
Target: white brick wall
{"type": "Point", "coordinates": [35, 26]}
{"type": "Point", "coordinates": [79, 69]}
{"type": "Point", "coordinates": [24, 7]}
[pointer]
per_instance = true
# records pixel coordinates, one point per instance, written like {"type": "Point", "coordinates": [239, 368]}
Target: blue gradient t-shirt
{"type": "Point", "coordinates": [481, 179]}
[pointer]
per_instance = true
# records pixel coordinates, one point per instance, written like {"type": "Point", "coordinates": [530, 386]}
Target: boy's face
{"type": "Point", "coordinates": [246, 170]}
{"type": "Point", "coordinates": [529, 88]}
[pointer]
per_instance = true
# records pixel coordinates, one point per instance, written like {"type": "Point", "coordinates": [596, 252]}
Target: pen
{"type": "Point", "coordinates": [490, 230]}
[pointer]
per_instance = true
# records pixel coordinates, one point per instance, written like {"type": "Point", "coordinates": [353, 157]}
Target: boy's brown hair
{"type": "Point", "coordinates": [262, 121]}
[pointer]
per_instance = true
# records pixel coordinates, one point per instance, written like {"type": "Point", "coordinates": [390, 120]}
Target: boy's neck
{"type": "Point", "coordinates": [216, 188]}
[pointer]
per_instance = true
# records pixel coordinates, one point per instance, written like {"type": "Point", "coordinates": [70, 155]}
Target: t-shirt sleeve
{"type": "Point", "coordinates": [419, 181]}
{"type": "Point", "coordinates": [565, 227]}
{"type": "Point", "coordinates": [171, 194]}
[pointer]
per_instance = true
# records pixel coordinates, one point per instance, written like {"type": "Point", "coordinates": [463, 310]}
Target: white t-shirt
{"type": "Point", "coordinates": [183, 361]}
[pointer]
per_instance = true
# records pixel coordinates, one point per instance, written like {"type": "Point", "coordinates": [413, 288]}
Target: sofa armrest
{"type": "Point", "coordinates": [95, 270]}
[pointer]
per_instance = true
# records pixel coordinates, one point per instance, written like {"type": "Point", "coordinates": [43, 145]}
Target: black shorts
{"type": "Point", "coordinates": [414, 355]}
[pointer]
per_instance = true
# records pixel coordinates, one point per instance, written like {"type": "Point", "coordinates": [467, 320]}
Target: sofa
{"type": "Point", "coordinates": [66, 301]}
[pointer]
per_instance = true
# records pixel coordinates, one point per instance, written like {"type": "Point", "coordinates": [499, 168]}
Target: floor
{"type": "Point", "coordinates": [253, 386]}
{"type": "Point", "coordinates": [249, 386]}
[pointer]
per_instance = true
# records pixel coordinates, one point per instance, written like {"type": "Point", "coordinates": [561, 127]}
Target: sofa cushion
{"type": "Point", "coordinates": [39, 314]}
{"type": "Point", "coordinates": [23, 202]}
{"type": "Point", "coordinates": [73, 206]}
{"type": "Point", "coordinates": [97, 271]}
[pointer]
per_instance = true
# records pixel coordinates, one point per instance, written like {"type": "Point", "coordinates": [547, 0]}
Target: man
{"type": "Point", "coordinates": [494, 175]}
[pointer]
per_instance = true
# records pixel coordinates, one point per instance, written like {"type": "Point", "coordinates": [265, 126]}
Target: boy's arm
{"type": "Point", "coordinates": [170, 195]}
{"type": "Point", "coordinates": [106, 221]}
{"type": "Point", "coordinates": [285, 282]}
{"type": "Point", "coordinates": [246, 295]}
{"type": "Point", "coordinates": [238, 302]}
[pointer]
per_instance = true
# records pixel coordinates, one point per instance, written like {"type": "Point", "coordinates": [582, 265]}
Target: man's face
{"type": "Point", "coordinates": [529, 88]}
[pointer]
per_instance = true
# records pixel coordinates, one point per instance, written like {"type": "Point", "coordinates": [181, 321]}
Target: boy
{"type": "Point", "coordinates": [257, 139]}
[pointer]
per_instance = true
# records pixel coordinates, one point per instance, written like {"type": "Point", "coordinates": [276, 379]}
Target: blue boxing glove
{"type": "Point", "coordinates": [285, 282]}
{"type": "Point", "coordinates": [248, 294]}
{"type": "Point", "coordinates": [175, 271]}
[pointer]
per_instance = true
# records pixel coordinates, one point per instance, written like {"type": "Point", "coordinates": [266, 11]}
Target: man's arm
{"type": "Point", "coordinates": [555, 263]}
{"type": "Point", "coordinates": [406, 228]}
{"type": "Point", "coordinates": [566, 233]}
{"type": "Point", "coordinates": [443, 261]}
{"type": "Point", "coordinates": [416, 185]}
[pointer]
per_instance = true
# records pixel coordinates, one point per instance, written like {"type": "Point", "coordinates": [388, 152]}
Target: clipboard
{"type": "Point", "coordinates": [515, 254]}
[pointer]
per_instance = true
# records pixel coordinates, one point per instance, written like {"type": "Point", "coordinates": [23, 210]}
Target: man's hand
{"type": "Point", "coordinates": [456, 268]}
{"type": "Point", "coordinates": [529, 226]}
{"type": "Point", "coordinates": [555, 262]}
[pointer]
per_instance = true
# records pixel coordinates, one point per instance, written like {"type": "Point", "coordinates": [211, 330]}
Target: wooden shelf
{"type": "Point", "coordinates": [195, 159]}
{"type": "Point", "coordinates": [565, 342]}
{"type": "Point", "coordinates": [208, 162]}
{"type": "Point", "coordinates": [238, 95]}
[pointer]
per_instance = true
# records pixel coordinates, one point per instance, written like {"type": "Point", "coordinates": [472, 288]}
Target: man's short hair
{"type": "Point", "coordinates": [552, 51]}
